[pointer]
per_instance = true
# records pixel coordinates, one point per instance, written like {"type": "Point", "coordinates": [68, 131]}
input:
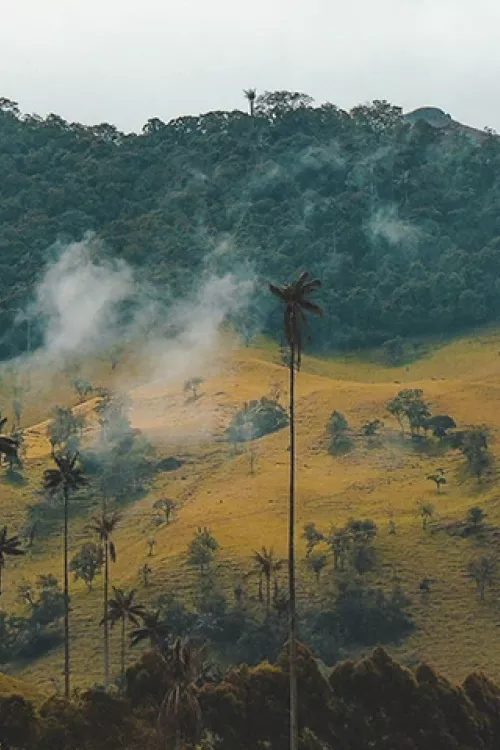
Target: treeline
{"type": "Point", "coordinates": [399, 220]}
{"type": "Point", "coordinates": [374, 703]}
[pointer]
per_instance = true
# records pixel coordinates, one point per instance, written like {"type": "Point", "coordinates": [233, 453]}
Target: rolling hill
{"type": "Point", "coordinates": [214, 486]}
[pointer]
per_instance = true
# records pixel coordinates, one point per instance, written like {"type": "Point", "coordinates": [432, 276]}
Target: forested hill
{"type": "Point", "coordinates": [400, 219]}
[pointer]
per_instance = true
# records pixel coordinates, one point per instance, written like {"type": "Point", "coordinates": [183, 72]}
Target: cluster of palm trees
{"type": "Point", "coordinates": [267, 565]}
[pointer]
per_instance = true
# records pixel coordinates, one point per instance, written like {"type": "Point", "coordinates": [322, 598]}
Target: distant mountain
{"type": "Point", "coordinates": [441, 120]}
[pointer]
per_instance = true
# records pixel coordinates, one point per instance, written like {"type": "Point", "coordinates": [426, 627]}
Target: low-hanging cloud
{"type": "Point", "coordinates": [89, 303]}
{"type": "Point", "coordinates": [386, 223]}
{"type": "Point", "coordinates": [78, 299]}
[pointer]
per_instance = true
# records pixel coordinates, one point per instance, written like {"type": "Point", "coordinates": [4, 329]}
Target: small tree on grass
{"type": "Point", "coordinates": [474, 447]}
{"type": "Point", "coordinates": [17, 408]}
{"type": "Point", "coordinates": [475, 517]}
{"type": "Point", "coordinates": [151, 546]}
{"type": "Point", "coordinates": [483, 572]}
{"type": "Point", "coordinates": [257, 418]}
{"type": "Point", "coordinates": [317, 562]}
{"type": "Point", "coordinates": [193, 385]}
{"type": "Point", "coordinates": [83, 389]}
{"type": "Point", "coordinates": [65, 429]}
{"type": "Point", "coordinates": [340, 543]}
{"type": "Point", "coordinates": [165, 508]}
{"type": "Point", "coordinates": [438, 478]}
{"type": "Point", "coordinates": [144, 574]}
{"type": "Point", "coordinates": [202, 549]}
{"type": "Point", "coordinates": [312, 536]}
{"type": "Point", "coordinates": [394, 350]}
{"type": "Point", "coordinates": [252, 453]}
{"type": "Point", "coordinates": [426, 511]}
{"type": "Point", "coordinates": [87, 563]}
{"type": "Point", "coordinates": [338, 433]}
{"type": "Point", "coordinates": [370, 429]}
{"type": "Point", "coordinates": [439, 424]}
{"type": "Point", "coordinates": [409, 406]}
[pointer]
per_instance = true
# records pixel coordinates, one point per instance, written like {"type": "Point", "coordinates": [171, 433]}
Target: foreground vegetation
{"type": "Point", "coordinates": [174, 700]}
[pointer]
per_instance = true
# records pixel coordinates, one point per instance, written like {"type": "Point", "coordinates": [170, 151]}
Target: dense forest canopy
{"type": "Point", "coordinates": [399, 219]}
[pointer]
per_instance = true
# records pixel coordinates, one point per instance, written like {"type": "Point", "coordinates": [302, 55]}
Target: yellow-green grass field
{"type": "Point", "coordinates": [455, 632]}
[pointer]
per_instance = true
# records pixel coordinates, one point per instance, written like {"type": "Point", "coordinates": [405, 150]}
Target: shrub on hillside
{"type": "Point", "coordinates": [338, 434]}
{"type": "Point", "coordinates": [257, 418]}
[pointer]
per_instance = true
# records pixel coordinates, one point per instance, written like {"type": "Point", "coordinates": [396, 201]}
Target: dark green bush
{"type": "Point", "coordinates": [257, 418]}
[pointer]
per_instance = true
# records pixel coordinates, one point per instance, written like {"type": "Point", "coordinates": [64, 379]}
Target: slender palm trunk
{"type": "Point", "coordinates": [1, 571]}
{"type": "Point", "coordinates": [66, 596]}
{"type": "Point", "coordinates": [292, 624]}
{"type": "Point", "coordinates": [123, 651]}
{"type": "Point", "coordinates": [268, 595]}
{"type": "Point", "coordinates": [105, 614]}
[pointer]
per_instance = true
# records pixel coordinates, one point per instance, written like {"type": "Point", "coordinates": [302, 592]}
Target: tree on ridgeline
{"type": "Point", "coordinates": [250, 95]}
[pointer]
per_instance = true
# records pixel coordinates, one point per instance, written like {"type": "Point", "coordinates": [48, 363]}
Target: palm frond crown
{"type": "Point", "coordinates": [294, 296]}
{"type": "Point", "coordinates": [9, 545]}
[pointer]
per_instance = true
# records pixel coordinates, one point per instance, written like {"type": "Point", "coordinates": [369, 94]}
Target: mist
{"type": "Point", "coordinates": [90, 304]}
{"type": "Point", "coordinates": [386, 223]}
{"type": "Point", "coordinates": [78, 299]}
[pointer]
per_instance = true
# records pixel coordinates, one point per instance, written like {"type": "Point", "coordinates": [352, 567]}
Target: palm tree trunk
{"type": "Point", "coordinates": [294, 728]}
{"type": "Point", "coordinates": [123, 652]}
{"type": "Point", "coordinates": [268, 596]}
{"type": "Point", "coordinates": [1, 571]}
{"type": "Point", "coordinates": [66, 597]}
{"type": "Point", "coordinates": [105, 615]}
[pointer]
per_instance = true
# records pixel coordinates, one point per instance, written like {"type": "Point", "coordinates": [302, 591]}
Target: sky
{"type": "Point", "coordinates": [125, 61]}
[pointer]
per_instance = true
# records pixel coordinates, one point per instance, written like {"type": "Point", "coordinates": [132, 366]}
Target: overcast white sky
{"type": "Point", "coordinates": [124, 61]}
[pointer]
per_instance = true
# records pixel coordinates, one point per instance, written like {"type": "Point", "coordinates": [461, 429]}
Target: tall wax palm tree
{"type": "Point", "coordinates": [179, 718]}
{"type": "Point", "coordinates": [121, 609]}
{"type": "Point", "coordinates": [67, 477]}
{"type": "Point", "coordinates": [104, 524]}
{"type": "Point", "coordinates": [250, 95]}
{"type": "Point", "coordinates": [8, 546]}
{"type": "Point", "coordinates": [294, 297]}
{"type": "Point", "coordinates": [266, 566]}
{"type": "Point", "coordinates": [153, 629]}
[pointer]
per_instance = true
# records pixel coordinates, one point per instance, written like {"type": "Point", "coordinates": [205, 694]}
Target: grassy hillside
{"type": "Point", "coordinates": [215, 487]}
